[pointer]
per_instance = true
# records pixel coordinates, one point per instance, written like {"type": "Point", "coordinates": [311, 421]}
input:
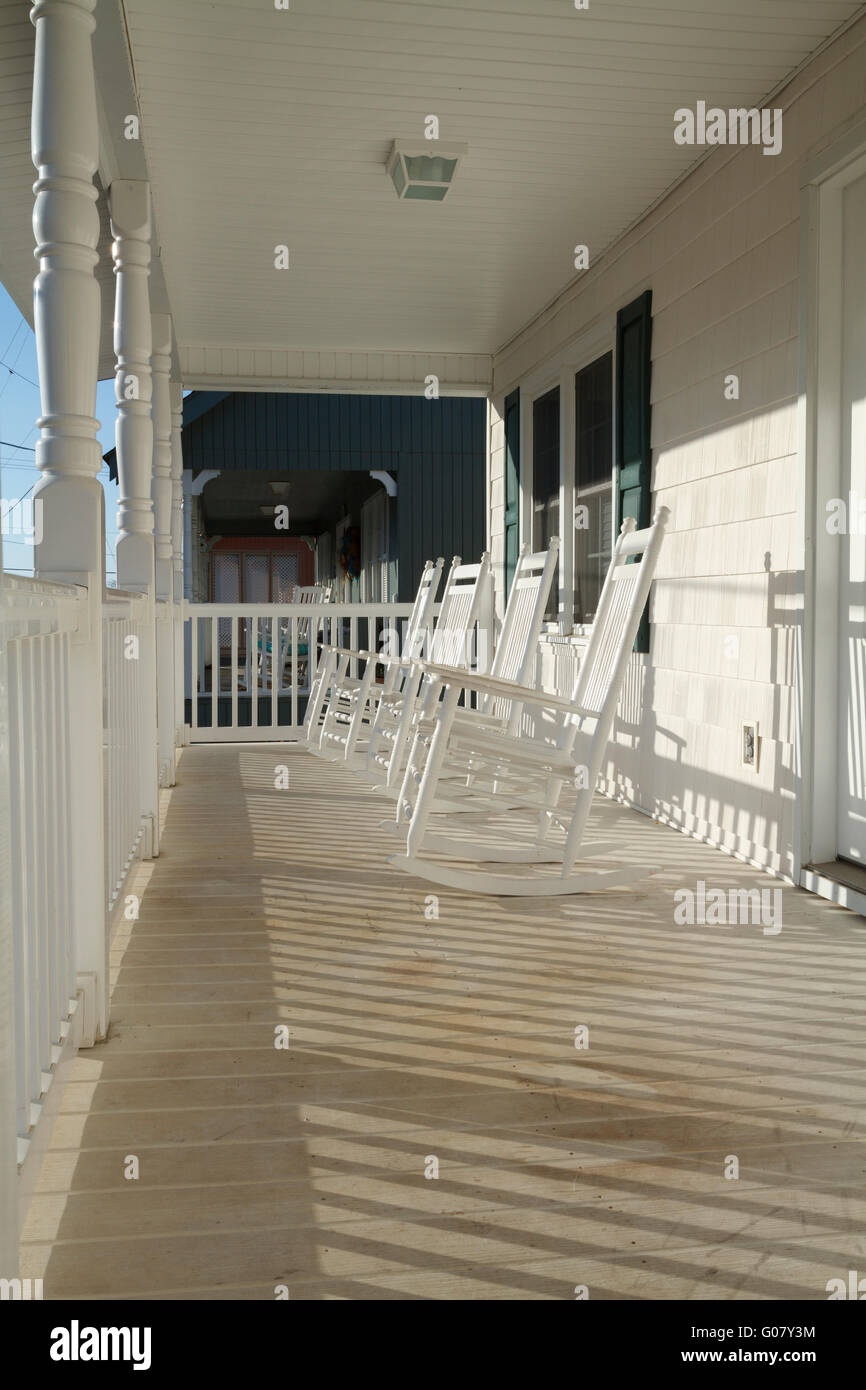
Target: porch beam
{"type": "Point", "coordinates": [359, 371]}
{"type": "Point", "coordinates": [129, 203]}
{"type": "Point", "coordinates": [65, 152]}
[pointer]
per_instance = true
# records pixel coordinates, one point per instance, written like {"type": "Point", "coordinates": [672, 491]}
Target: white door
{"type": "Point", "coordinates": [851, 820]}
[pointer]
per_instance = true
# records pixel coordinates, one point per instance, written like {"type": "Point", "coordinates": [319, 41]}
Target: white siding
{"type": "Point", "coordinates": [721, 255]}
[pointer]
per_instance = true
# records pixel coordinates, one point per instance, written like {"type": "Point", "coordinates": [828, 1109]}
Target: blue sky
{"type": "Point", "coordinates": [19, 410]}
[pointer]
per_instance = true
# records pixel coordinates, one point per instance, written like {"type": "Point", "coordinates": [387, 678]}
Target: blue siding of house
{"type": "Point", "coordinates": [435, 449]}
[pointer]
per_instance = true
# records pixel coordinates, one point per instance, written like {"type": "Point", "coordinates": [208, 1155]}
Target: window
{"type": "Point", "coordinates": [633, 432]}
{"type": "Point", "coordinates": [545, 481]}
{"type": "Point", "coordinates": [260, 576]}
{"type": "Point", "coordinates": [606, 476]}
{"type": "Point", "coordinates": [512, 486]}
{"type": "Point", "coordinates": [593, 483]}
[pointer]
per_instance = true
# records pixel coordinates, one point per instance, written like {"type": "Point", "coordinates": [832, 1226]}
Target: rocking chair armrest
{"type": "Point", "coordinates": [380, 658]}
{"type": "Point", "coordinates": [503, 689]}
{"type": "Point", "coordinates": [348, 651]}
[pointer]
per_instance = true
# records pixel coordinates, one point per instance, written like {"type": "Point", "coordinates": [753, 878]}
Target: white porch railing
{"type": "Point", "coordinates": [39, 622]}
{"type": "Point", "coordinates": [39, 619]}
{"type": "Point", "coordinates": [249, 667]}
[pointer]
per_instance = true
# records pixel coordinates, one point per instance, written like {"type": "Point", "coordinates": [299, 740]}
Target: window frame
{"type": "Point", "coordinates": [561, 370]}
{"type": "Point", "coordinates": [583, 628]}
{"type": "Point", "coordinates": [554, 384]}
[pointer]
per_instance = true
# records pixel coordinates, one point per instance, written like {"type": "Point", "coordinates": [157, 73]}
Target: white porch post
{"type": "Point", "coordinates": [130, 227]}
{"type": "Point", "coordinates": [69, 495]}
{"type": "Point", "coordinates": [177, 539]}
{"type": "Point", "coordinates": [162, 497]}
{"type": "Point", "coordinates": [8, 1116]}
{"type": "Point", "coordinates": [192, 487]}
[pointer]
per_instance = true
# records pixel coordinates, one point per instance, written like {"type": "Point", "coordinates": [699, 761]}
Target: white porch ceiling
{"type": "Point", "coordinates": [262, 126]}
{"type": "Point", "coordinates": [265, 127]}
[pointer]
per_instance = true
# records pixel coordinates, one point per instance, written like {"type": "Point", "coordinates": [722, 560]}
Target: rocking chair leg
{"type": "Point", "coordinates": [317, 696]}
{"type": "Point", "coordinates": [363, 696]}
{"type": "Point", "coordinates": [333, 701]}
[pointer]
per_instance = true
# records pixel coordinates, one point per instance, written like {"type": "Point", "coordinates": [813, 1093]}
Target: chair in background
{"type": "Point", "coordinates": [342, 706]}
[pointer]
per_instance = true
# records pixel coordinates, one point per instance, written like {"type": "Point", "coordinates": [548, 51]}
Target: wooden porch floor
{"type": "Point", "coordinates": [454, 1039]}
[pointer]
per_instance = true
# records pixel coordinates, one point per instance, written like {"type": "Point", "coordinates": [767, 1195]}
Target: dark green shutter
{"type": "Point", "coordinates": [633, 451]}
{"type": "Point", "coordinates": [512, 485]}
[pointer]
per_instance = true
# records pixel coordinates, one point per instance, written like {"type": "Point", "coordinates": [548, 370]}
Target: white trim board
{"type": "Point", "coordinates": [819, 422]}
{"type": "Point", "coordinates": [835, 892]}
{"type": "Point", "coordinates": [370, 372]}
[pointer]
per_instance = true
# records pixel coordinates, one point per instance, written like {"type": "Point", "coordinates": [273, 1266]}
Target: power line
{"type": "Point", "coordinates": [18, 328]}
{"type": "Point", "coordinates": [19, 501]}
{"type": "Point", "coordinates": [31, 449]}
{"type": "Point", "coordinates": [8, 350]}
{"type": "Point", "coordinates": [21, 374]}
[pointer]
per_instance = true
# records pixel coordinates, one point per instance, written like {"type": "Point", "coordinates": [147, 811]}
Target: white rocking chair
{"type": "Point", "coordinates": [515, 659]}
{"type": "Point", "coordinates": [347, 704]}
{"type": "Point", "coordinates": [269, 644]}
{"type": "Point", "coordinates": [468, 596]}
{"type": "Point", "coordinates": [304, 637]}
{"type": "Point", "coordinates": [534, 772]}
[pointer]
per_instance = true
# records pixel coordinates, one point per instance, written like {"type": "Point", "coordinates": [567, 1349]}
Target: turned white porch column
{"type": "Point", "coordinates": [8, 1117]}
{"type": "Point", "coordinates": [161, 493]}
{"type": "Point", "coordinates": [176, 396]}
{"type": "Point", "coordinates": [66, 322]}
{"type": "Point", "coordinates": [161, 487]}
{"type": "Point", "coordinates": [133, 432]}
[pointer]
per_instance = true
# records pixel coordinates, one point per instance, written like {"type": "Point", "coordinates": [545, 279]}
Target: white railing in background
{"type": "Point", "coordinates": [39, 619]}
{"type": "Point", "coordinates": [250, 666]}
{"type": "Point", "coordinates": [122, 626]}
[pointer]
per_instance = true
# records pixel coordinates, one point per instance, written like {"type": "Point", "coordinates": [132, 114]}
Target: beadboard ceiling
{"type": "Point", "coordinates": [264, 127]}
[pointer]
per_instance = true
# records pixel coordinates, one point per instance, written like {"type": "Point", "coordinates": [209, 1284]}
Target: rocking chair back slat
{"type": "Point", "coordinates": [600, 671]}
{"type": "Point", "coordinates": [452, 635]}
{"type": "Point", "coordinates": [422, 611]}
{"type": "Point", "coordinates": [516, 650]}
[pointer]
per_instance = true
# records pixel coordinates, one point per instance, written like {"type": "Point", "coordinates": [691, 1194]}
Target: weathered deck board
{"type": "Point", "coordinates": [455, 1038]}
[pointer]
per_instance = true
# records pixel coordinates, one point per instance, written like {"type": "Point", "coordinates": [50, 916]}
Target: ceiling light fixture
{"type": "Point", "coordinates": [418, 173]}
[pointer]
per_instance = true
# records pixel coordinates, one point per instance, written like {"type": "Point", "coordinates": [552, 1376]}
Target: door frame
{"type": "Point", "coordinates": [822, 184]}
